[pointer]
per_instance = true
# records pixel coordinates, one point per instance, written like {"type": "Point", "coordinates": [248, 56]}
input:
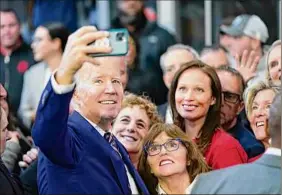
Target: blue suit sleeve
{"type": "Point", "coordinates": [51, 132]}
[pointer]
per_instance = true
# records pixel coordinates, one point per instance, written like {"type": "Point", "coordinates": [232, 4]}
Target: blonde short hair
{"type": "Point", "coordinates": [251, 93]}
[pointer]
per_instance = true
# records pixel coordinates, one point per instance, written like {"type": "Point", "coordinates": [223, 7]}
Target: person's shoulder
{"type": "Point", "coordinates": [224, 140]}
{"type": "Point", "coordinates": [38, 67]}
{"type": "Point", "coordinates": [25, 47]}
{"type": "Point", "coordinates": [159, 29]}
{"type": "Point", "coordinates": [228, 171]}
{"type": "Point", "coordinates": [221, 134]}
{"type": "Point", "coordinates": [163, 106]}
{"type": "Point", "coordinates": [221, 175]}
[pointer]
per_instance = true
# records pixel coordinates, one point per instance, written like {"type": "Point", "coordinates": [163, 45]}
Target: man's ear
{"type": "Point", "coordinates": [57, 43]}
{"type": "Point", "coordinates": [241, 107]}
{"type": "Point", "coordinates": [165, 80]}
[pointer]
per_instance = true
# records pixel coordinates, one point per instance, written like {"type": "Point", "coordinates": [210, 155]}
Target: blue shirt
{"type": "Point", "coordinates": [251, 145]}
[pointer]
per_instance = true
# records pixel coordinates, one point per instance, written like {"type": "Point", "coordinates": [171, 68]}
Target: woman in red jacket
{"type": "Point", "coordinates": [195, 99]}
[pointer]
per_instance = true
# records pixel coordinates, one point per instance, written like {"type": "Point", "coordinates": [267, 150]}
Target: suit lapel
{"type": "Point", "coordinates": [120, 171]}
{"type": "Point", "coordinates": [138, 180]}
{"type": "Point", "coordinates": [270, 160]}
{"type": "Point", "coordinates": [118, 165]}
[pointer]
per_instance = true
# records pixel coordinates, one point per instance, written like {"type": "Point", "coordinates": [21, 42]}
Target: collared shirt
{"type": "Point", "coordinates": [47, 75]}
{"type": "Point", "coordinates": [273, 151]}
{"type": "Point", "coordinates": [168, 116]}
{"type": "Point", "coordinates": [187, 191]}
{"type": "Point", "coordinates": [61, 89]}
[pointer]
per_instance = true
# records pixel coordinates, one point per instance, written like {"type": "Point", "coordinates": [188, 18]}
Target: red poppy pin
{"type": "Point", "coordinates": [22, 66]}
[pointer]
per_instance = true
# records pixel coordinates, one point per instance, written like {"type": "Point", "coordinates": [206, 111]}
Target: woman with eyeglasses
{"type": "Point", "coordinates": [259, 97]}
{"type": "Point", "coordinates": [170, 161]}
{"type": "Point", "coordinates": [133, 122]}
{"type": "Point", "coordinates": [195, 99]}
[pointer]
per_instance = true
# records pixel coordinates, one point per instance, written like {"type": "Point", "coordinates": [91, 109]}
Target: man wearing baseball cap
{"type": "Point", "coordinates": [247, 32]}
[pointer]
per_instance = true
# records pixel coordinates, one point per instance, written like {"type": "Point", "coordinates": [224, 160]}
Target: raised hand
{"type": "Point", "coordinates": [247, 65]}
{"type": "Point", "coordinates": [77, 50]}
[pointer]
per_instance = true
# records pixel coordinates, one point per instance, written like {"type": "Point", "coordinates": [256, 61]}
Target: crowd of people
{"type": "Point", "coordinates": [163, 119]}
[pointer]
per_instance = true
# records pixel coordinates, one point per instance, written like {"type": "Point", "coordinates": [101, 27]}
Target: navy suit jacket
{"type": "Point", "coordinates": [75, 158]}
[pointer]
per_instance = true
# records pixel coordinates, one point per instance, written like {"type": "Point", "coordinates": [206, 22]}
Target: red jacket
{"type": "Point", "coordinates": [224, 151]}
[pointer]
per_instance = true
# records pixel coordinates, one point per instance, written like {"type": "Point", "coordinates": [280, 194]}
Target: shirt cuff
{"type": "Point", "coordinates": [61, 89]}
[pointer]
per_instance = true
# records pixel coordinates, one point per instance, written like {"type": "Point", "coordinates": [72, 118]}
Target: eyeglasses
{"type": "Point", "coordinates": [170, 145]}
{"type": "Point", "coordinates": [231, 97]}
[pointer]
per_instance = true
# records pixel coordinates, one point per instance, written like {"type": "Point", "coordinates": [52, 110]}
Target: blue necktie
{"type": "Point", "coordinates": [111, 139]}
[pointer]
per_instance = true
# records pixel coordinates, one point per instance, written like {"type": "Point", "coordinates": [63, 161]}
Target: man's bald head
{"type": "Point", "coordinates": [275, 121]}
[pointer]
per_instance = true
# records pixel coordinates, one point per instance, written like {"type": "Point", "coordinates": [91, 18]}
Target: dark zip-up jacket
{"type": "Point", "coordinates": [12, 69]}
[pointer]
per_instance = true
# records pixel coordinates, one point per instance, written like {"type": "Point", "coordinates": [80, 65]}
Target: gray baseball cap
{"type": "Point", "coordinates": [248, 25]}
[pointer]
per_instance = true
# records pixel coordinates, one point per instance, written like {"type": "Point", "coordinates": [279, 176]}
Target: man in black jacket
{"type": "Point", "coordinates": [8, 184]}
{"type": "Point", "coordinates": [153, 41]}
{"type": "Point", "coordinates": [15, 56]}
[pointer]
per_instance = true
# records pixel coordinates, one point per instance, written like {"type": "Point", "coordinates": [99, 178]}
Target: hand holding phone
{"type": "Point", "coordinates": [117, 40]}
{"type": "Point", "coordinates": [77, 52]}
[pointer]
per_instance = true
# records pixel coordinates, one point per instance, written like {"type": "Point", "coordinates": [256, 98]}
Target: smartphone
{"type": "Point", "coordinates": [118, 40]}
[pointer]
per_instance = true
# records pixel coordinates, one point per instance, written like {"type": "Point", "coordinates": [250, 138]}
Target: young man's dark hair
{"type": "Point", "coordinates": [10, 10]}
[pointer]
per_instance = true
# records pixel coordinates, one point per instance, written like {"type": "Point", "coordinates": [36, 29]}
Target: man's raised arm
{"type": "Point", "coordinates": [50, 131]}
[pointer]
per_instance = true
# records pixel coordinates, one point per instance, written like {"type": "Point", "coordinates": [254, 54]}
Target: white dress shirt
{"type": "Point", "coordinates": [273, 151]}
{"type": "Point", "coordinates": [62, 89]}
{"type": "Point", "coordinates": [187, 191]}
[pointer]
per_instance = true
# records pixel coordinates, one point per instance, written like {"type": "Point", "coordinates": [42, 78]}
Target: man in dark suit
{"type": "Point", "coordinates": [263, 176]}
{"type": "Point", "coordinates": [78, 154]}
{"type": "Point", "coordinates": [8, 183]}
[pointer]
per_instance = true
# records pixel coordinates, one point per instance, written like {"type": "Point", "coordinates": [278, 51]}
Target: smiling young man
{"type": "Point", "coordinates": [78, 153]}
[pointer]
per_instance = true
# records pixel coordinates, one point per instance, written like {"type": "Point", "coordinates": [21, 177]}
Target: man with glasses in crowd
{"type": "Point", "coordinates": [233, 85]}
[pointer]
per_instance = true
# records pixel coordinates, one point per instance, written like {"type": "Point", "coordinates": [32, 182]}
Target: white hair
{"type": "Point", "coordinates": [267, 76]}
{"type": "Point", "coordinates": [178, 47]}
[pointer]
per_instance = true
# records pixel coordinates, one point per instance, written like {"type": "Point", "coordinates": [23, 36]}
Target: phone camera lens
{"type": "Point", "coordinates": [120, 36]}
